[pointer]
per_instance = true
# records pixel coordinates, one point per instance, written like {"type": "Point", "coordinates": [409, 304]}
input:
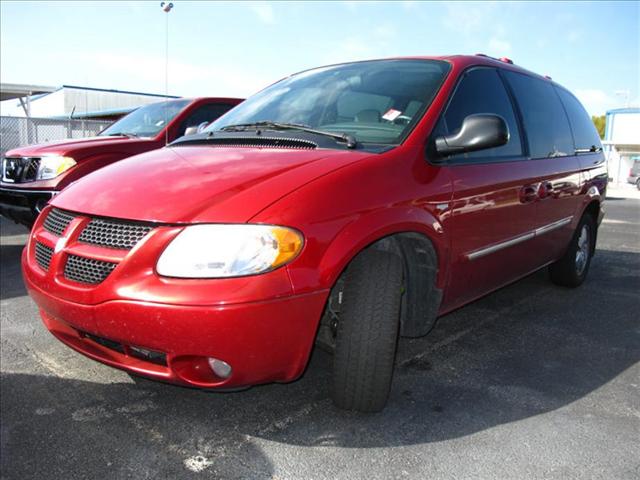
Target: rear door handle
{"type": "Point", "coordinates": [528, 193]}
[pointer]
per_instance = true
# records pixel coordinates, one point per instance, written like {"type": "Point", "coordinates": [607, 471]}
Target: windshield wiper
{"type": "Point", "coordinates": [122, 134]}
{"type": "Point", "coordinates": [345, 137]}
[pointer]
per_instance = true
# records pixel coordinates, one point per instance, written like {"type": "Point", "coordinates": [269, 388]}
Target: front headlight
{"type": "Point", "coordinates": [219, 251]}
{"type": "Point", "coordinates": [53, 165]}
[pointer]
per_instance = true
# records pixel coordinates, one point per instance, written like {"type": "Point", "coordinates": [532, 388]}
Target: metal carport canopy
{"type": "Point", "coordinates": [10, 91]}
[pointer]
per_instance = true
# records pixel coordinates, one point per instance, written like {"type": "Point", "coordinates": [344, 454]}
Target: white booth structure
{"type": "Point", "coordinates": [622, 142]}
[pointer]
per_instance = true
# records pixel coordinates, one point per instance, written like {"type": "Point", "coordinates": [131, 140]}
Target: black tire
{"type": "Point", "coordinates": [572, 269]}
{"type": "Point", "coordinates": [367, 332]}
{"type": "Point", "coordinates": [638, 184]}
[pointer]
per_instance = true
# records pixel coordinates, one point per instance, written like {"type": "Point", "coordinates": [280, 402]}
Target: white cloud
{"type": "Point", "coordinates": [351, 5]}
{"type": "Point", "coordinates": [596, 101]}
{"type": "Point", "coordinates": [263, 10]}
{"type": "Point", "coordinates": [469, 17]}
{"type": "Point", "coordinates": [146, 73]}
{"type": "Point", "coordinates": [574, 35]}
{"type": "Point", "coordinates": [385, 31]}
{"type": "Point", "coordinates": [499, 47]}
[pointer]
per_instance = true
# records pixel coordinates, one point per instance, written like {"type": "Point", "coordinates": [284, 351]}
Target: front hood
{"type": "Point", "coordinates": [68, 147]}
{"type": "Point", "coordinates": [199, 184]}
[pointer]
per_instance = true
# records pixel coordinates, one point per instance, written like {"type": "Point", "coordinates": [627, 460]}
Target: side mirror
{"type": "Point", "coordinates": [478, 132]}
{"type": "Point", "coordinates": [195, 129]}
{"type": "Point", "coordinates": [191, 130]}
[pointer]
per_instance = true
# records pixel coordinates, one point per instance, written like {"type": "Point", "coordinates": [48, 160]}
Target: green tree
{"type": "Point", "coordinates": [599, 122]}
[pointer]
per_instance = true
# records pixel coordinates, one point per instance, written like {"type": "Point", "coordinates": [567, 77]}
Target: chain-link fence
{"type": "Point", "coordinates": [20, 131]}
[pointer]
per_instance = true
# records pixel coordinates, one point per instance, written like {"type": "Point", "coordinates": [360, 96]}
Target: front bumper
{"type": "Point", "coordinates": [23, 206]}
{"type": "Point", "coordinates": [268, 341]}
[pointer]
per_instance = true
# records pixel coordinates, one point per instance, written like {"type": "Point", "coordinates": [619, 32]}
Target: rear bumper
{"type": "Point", "coordinates": [23, 206]}
{"type": "Point", "coordinates": [263, 342]}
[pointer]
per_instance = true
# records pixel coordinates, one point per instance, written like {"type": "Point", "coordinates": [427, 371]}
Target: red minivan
{"type": "Point", "coordinates": [343, 206]}
{"type": "Point", "coordinates": [32, 175]}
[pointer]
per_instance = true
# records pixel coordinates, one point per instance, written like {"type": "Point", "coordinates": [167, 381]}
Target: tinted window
{"type": "Point", "coordinates": [584, 131]}
{"type": "Point", "coordinates": [544, 118]}
{"type": "Point", "coordinates": [481, 91]}
{"type": "Point", "coordinates": [205, 113]}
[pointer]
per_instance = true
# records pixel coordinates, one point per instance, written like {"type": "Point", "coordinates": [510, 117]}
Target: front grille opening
{"type": "Point", "coordinates": [267, 142]}
{"type": "Point", "coordinates": [87, 270]}
{"type": "Point", "coordinates": [105, 342]}
{"type": "Point", "coordinates": [151, 356]}
{"type": "Point", "coordinates": [20, 169]}
{"type": "Point", "coordinates": [57, 221]}
{"type": "Point", "coordinates": [31, 170]}
{"type": "Point", "coordinates": [114, 233]}
{"type": "Point", "coordinates": [43, 255]}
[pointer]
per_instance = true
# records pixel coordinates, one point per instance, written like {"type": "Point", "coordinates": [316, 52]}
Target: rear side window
{"type": "Point", "coordinates": [543, 116]}
{"type": "Point", "coordinates": [585, 134]}
{"type": "Point", "coordinates": [481, 90]}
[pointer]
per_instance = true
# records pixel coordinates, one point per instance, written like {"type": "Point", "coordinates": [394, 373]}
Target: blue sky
{"type": "Point", "coordinates": [235, 49]}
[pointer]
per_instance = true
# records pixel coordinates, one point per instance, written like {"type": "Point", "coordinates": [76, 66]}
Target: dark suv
{"type": "Point", "coordinates": [32, 175]}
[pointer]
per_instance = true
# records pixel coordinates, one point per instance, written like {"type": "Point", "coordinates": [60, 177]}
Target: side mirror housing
{"type": "Point", "coordinates": [478, 132]}
{"type": "Point", "coordinates": [191, 130]}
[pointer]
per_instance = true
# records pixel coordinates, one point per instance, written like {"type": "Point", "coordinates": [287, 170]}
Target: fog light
{"type": "Point", "coordinates": [220, 368]}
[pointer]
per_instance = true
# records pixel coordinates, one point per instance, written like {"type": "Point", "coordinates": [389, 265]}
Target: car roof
{"type": "Point", "coordinates": [459, 61]}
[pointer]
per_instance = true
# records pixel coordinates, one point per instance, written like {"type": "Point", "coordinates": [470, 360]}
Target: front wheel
{"type": "Point", "coordinates": [367, 332]}
{"type": "Point", "coordinates": [571, 270]}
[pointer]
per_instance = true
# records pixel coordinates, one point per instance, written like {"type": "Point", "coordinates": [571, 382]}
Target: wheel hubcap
{"type": "Point", "coordinates": [584, 248]}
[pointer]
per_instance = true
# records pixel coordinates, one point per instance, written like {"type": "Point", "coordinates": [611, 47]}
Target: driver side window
{"type": "Point", "coordinates": [481, 90]}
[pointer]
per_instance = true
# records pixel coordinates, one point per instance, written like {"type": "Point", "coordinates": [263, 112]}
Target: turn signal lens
{"type": "Point", "coordinates": [221, 251]}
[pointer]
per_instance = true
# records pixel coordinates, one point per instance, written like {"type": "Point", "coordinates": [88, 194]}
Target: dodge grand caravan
{"type": "Point", "coordinates": [32, 175]}
{"type": "Point", "coordinates": [343, 206]}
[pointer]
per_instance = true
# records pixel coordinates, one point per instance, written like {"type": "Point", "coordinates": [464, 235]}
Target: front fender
{"type": "Point", "coordinates": [365, 230]}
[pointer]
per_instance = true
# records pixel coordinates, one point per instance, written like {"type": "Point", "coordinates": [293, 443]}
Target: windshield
{"type": "Point", "coordinates": [375, 101]}
{"type": "Point", "coordinates": [146, 121]}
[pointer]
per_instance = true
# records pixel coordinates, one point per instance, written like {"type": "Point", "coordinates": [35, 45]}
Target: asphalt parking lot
{"type": "Point", "coordinates": [533, 381]}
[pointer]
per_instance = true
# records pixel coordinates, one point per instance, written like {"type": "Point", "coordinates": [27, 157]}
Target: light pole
{"type": "Point", "coordinates": [624, 94]}
{"type": "Point", "coordinates": [166, 8]}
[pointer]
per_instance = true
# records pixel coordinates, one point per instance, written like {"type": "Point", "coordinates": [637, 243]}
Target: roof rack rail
{"type": "Point", "coordinates": [501, 59]}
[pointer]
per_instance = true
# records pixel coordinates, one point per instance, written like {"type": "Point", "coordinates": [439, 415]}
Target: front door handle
{"type": "Point", "coordinates": [528, 194]}
{"type": "Point", "coordinates": [546, 189]}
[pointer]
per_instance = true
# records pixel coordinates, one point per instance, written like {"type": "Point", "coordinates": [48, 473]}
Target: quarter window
{"type": "Point", "coordinates": [585, 134]}
{"type": "Point", "coordinates": [543, 116]}
{"type": "Point", "coordinates": [482, 91]}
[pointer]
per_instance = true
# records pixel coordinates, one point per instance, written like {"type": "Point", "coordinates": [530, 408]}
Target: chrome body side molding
{"type": "Point", "coordinates": [519, 239]}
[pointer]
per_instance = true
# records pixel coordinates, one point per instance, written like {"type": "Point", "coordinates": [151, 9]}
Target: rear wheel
{"type": "Point", "coordinates": [638, 183]}
{"type": "Point", "coordinates": [571, 270]}
{"type": "Point", "coordinates": [367, 332]}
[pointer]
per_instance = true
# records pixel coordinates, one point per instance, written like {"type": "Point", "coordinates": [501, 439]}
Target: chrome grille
{"type": "Point", "coordinates": [31, 170]}
{"type": "Point", "coordinates": [57, 221]}
{"type": "Point", "coordinates": [87, 270]}
{"type": "Point", "coordinates": [114, 233]}
{"type": "Point", "coordinates": [43, 255]}
{"type": "Point", "coordinates": [20, 169]}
